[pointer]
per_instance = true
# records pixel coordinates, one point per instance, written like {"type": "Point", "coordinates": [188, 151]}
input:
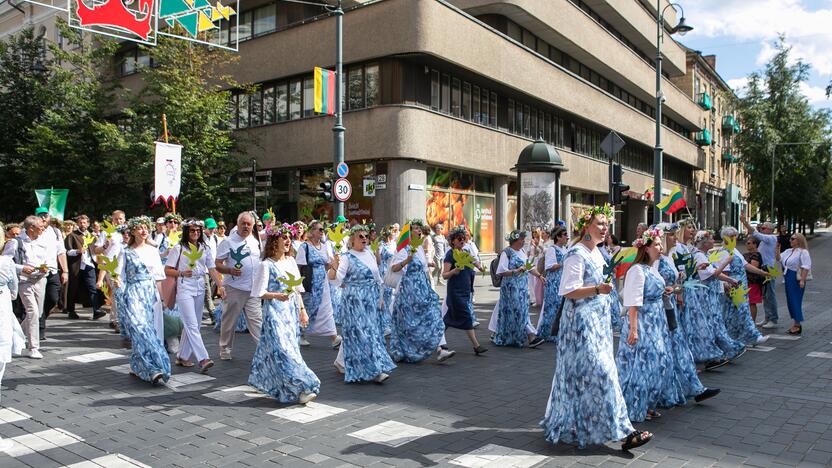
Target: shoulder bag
{"type": "Point", "coordinates": [168, 287]}
{"type": "Point", "coordinates": [306, 270]}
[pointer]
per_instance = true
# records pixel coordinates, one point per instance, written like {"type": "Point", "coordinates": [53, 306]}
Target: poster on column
{"type": "Point", "coordinates": [168, 180]}
{"type": "Point", "coordinates": [538, 200]}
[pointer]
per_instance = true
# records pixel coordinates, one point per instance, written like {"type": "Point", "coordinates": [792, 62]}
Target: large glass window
{"type": "Point", "coordinates": [372, 84]}
{"type": "Point", "coordinates": [264, 19]}
{"type": "Point", "coordinates": [268, 106]}
{"type": "Point", "coordinates": [356, 88]}
{"type": "Point", "coordinates": [511, 115]}
{"type": "Point", "coordinates": [446, 94]}
{"type": "Point", "coordinates": [475, 103]}
{"type": "Point", "coordinates": [466, 100]}
{"type": "Point", "coordinates": [455, 97]}
{"type": "Point", "coordinates": [294, 99]}
{"type": "Point", "coordinates": [244, 28]}
{"type": "Point", "coordinates": [457, 198]}
{"type": "Point", "coordinates": [492, 110]}
{"type": "Point", "coordinates": [484, 104]}
{"type": "Point", "coordinates": [243, 111]}
{"type": "Point", "coordinates": [235, 101]}
{"type": "Point", "coordinates": [308, 97]}
{"type": "Point", "coordinates": [434, 89]}
{"type": "Point", "coordinates": [128, 63]}
{"type": "Point", "coordinates": [142, 58]}
{"type": "Point", "coordinates": [282, 92]}
{"type": "Point", "coordinates": [256, 105]}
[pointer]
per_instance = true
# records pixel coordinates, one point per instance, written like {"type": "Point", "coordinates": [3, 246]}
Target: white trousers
{"type": "Point", "coordinates": [190, 308]}
{"type": "Point", "coordinates": [32, 295]}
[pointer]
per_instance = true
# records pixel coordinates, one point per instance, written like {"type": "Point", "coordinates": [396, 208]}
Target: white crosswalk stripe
{"type": "Point", "coordinates": [306, 413]}
{"type": "Point", "coordinates": [115, 460]}
{"type": "Point", "coordinates": [391, 433]}
{"type": "Point", "coordinates": [820, 355]}
{"type": "Point", "coordinates": [95, 357]}
{"type": "Point", "coordinates": [235, 394]}
{"type": "Point", "coordinates": [777, 336]}
{"type": "Point", "coordinates": [41, 441]}
{"type": "Point", "coordinates": [497, 456]}
{"type": "Point", "coordinates": [10, 415]}
{"type": "Point", "coordinates": [761, 349]}
{"type": "Point", "coordinates": [190, 378]}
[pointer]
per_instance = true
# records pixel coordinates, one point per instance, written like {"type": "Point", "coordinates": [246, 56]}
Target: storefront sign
{"type": "Point", "coordinates": [381, 181]}
{"type": "Point", "coordinates": [369, 187]}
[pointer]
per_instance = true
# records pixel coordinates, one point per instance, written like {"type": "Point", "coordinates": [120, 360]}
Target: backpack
{"type": "Point", "coordinates": [496, 280]}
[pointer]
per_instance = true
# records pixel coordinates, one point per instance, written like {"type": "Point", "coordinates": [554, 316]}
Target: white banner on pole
{"type": "Point", "coordinates": [168, 172]}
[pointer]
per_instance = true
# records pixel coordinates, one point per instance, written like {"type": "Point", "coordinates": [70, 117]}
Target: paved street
{"type": "Point", "coordinates": [79, 407]}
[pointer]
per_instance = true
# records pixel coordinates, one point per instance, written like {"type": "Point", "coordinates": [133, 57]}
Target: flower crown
{"type": "Point", "coordinates": [458, 231]}
{"type": "Point", "coordinates": [416, 222]}
{"type": "Point", "coordinates": [668, 227]}
{"type": "Point", "coordinates": [515, 235]}
{"type": "Point", "coordinates": [278, 230]}
{"type": "Point", "coordinates": [588, 214]}
{"type": "Point", "coordinates": [359, 228]}
{"type": "Point", "coordinates": [647, 238]}
{"type": "Point", "coordinates": [300, 225]}
{"type": "Point", "coordinates": [387, 231]}
{"type": "Point", "coordinates": [700, 236]}
{"type": "Point", "coordinates": [194, 222]}
{"type": "Point", "coordinates": [139, 221]}
{"type": "Point", "coordinates": [122, 228]}
{"type": "Point", "coordinates": [685, 221]}
{"type": "Point", "coordinates": [173, 217]}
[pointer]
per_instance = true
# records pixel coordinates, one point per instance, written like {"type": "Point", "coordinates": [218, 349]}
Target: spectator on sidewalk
{"type": "Point", "coordinates": [797, 263]}
{"type": "Point", "coordinates": [771, 257]}
{"type": "Point", "coordinates": [82, 270]}
{"type": "Point", "coordinates": [53, 239]}
{"type": "Point", "coordinates": [755, 282]}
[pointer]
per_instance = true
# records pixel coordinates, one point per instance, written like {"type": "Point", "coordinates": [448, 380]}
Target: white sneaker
{"type": "Point", "coordinates": [32, 354]}
{"type": "Point", "coordinates": [769, 325]}
{"type": "Point", "coordinates": [475, 324]}
{"type": "Point", "coordinates": [225, 356]}
{"type": "Point", "coordinates": [762, 339]}
{"type": "Point", "coordinates": [760, 322]}
{"type": "Point", "coordinates": [339, 367]}
{"type": "Point", "coordinates": [381, 377]}
{"type": "Point", "coordinates": [306, 397]}
{"type": "Point", "coordinates": [5, 444]}
{"type": "Point", "coordinates": [303, 341]}
{"type": "Point", "coordinates": [445, 354]}
{"type": "Point", "coordinates": [336, 342]}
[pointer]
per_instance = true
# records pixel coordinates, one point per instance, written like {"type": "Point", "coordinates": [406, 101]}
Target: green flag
{"type": "Point", "coordinates": [53, 199]}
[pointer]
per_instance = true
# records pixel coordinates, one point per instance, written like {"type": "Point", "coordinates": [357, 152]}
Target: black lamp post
{"type": "Point", "coordinates": [538, 171]}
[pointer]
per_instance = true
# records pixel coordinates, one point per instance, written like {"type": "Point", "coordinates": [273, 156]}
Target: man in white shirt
{"type": "Point", "coordinates": [238, 258]}
{"type": "Point", "coordinates": [770, 252]}
{"type": "Point", "coordinates": [159, 235]}
{"type": "Point", "coordinates": [82, 270]}
{"type": "Point", "coordinates": [211, 244]}
{"type": "Point", "coordinates": [56, 257]}
{"type": "Point", "coordinates": [30, 258]}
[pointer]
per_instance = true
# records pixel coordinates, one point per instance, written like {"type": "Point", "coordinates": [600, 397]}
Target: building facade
{"type": "Point", "coordinates": [441, 96]}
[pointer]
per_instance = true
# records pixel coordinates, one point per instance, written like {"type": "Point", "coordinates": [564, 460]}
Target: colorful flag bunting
{"type": "Point", "coordinates": [324, 91]}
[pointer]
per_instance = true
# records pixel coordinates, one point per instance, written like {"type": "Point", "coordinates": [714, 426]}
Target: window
{"type": "Point", "coordinates": [434, 89]}
{"type": "Point", "coordinates": [484, 109]}
{"type": "Point", "coordinates": [455, 97]}
{"type": "Point", "coordinates": [371, 85]}
{"type": "Point", "coordinates": [244, 29]}
{"type": "Point", "coordinates": [268, 106]}
{"type": "Point", "coordinates": [515, 32]}
{"type": "Point", "coordinates": [547, 127]}
{"type": "Point", "coordinates": [235, 101]}
{"type": "Point", "coordinates": [475, 98]}
{"type": "Point", "coordinates": [526, 120]}
{"type": "Point", "coordinates": [282, 92]}
{"type": "Point", "coordinates": [511, 115]}
{"type": "Point", "coordinates": [492, 110]}
{"type": "Point", "coordinates": [294, 99]}
{"type": "Point", "coordinates": [446, 94]}
{"type": "Point", "coordinates": [533, 123]}
{"type": "Point", "coordinates": [529, 40]}
{"type": "Point", "coordinates": [256, 106]}
{"type": "Point", "coordinates": [264, 19]}
{"type": "Point", "coordinates": [243, 122]}
{"type": "Point", "coordinates": [518, 119]}
{"type": "Point", "coordinates": [142, 59]}
{"type": "Point", "coordinates": [308, 97]}
{"type": "Point", "coordinates": [128, 64]}
{"type": "Point", "coordinates": [466, 100]}
{"type": "Point", "coordinates": [356, 88]}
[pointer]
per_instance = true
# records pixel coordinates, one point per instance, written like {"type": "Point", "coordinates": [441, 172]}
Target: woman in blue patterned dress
{"type": "Point", "coordinates": [318, 255]}
{"type": "Point", "coordinates": [585, 405]}
{"type": "Point", "coordinates": [554, 256]}
{"type": "Point", "coordinates": [335, 291]}
{"type": "Point", "coordinates": [138, 299]}
{"type": "Point", "coordinates": [684, 383]}
{"type": "Point", "coordinates": [707, 336]}
{"type": "Point", "coordinates": [386, 251]}
{"type": "Point", "coordinates": [278, 369]}
{"type": "Point", "coordinates": [644, 355]}
{"type": "Point", "coordinates": [418, 328]}
{"type": "Point", "coordinates": [362, 355]}
{"type": "Point", "coordinates": [510, 320]}
{"type": "Point", "coordinates": [609, 249]}
{"type": "Point", "coordinates": [738, 319]}
{"type": "Point", "coordinates": [458, 298]}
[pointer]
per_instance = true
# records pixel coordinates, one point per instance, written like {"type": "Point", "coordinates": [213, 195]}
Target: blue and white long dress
{"type": "Point", "coordinates": [317, 301]}
{"type": "Point", "coordinates": [586, 405]}
{"type": "Point", "coordinates": [710, 299]}
{"type": "Point", "coordinates": [242, 324]}
{"type": "Point", "coordinates": [645, 367]}
{"type": "Point", "coordinates": [551, 299]}
{"type": "Point", "coordinates": [335, 291]}
{"type": "Point", "coordinates": [363, 353]}
{"type": "Point", "coordinates": [738, 319]}
{"type": "Point", "coordinates": [386, 251]}
{"type": "Point", "coordinates": [694, 316]}
{"type": "Point", "coordinates": [278, 369]}
{"type": "Point", "coordinates": [510, 320]}
{"type": "Point", "coordinates": [418, 327]}
{"type": "Point", "coordinates": [139, 302]}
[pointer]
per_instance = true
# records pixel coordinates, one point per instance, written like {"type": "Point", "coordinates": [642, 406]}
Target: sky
{"type": "Point", "coordinates": [741, 33]}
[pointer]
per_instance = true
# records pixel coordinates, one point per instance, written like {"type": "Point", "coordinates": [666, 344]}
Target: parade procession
{"type": "Point", "coordinates": [408, 233]}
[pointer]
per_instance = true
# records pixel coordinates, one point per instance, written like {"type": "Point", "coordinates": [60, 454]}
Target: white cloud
{"type": "Point", "coordinates": [816, 95]}
{"type": "Point", "coordinates": [807, 31]}
{"type": "Point", "coordinates": [738, 85]}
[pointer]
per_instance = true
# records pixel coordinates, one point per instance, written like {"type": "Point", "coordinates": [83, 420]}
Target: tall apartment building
{"type": "Point", "coordinates": [721, 185]}
{"type": "Point", "coordinates": [441, 96]}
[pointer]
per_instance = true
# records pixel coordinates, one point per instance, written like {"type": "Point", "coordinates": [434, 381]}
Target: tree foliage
{"type": "Point", "coordinates": [775, 112]}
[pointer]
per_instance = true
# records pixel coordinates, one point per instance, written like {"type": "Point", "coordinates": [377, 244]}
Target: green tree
{"type": "Point", "coordinates": [773, 111]}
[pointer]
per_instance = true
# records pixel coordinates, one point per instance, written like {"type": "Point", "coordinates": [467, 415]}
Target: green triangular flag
{"type": "Point", "coordinates": [189, 22]}
{"type": "Point", "coordinates": [172, 7]}
{"type": "Point", "coordinates": [53, 199]}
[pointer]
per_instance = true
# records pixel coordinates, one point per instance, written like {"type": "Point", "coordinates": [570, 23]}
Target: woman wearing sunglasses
{"type": "Point", "coordinates": [797, 263]}
{"type": "Point", "coordinates": [362, 355]}
{"type": "Point", "coordinates": [418, 329]}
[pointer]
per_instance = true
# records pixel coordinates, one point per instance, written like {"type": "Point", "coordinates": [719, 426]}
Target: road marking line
{"type": "Point", "coordinates": [306, 413]}
{"type": "Point", "coordinates": [783, 337]}
{"type": "Point", "coordinates": [123, 368]}
{"type": "Point", "coordinates": [41, 441]}
{"type": "Point", "coordinates": [95, 357]}
{"type": "Point", "coordinates": [391, 433]}
{"type": "Point", "coordinates": [115, 460]}
{"type": "Point", "coordinates": [10, 415]}
{"type": "Point", "coordinates": [820, 355]}
{"type": "Point", "coordinates": [495, 456]}
{"type": "Point", "coordinates": [762, 349]}
{"type": "Point", "coordinates": [191, 378]}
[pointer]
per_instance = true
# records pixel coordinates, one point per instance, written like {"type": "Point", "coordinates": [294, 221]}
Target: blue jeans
{"type": "Point", "coordinates": [770, 302]}
{"type": "Point", "coordinates": [794, 296]}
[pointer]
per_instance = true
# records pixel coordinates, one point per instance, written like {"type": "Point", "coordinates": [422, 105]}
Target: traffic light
{"type": "Point", "coordinates": [325, 190]}
{"type": "Point", "coordinates": [618, 187]}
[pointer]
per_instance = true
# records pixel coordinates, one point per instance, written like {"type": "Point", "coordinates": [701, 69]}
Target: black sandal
{"type": "Point", "coordinates": [636, 439]}
{"type": "Point", "coordinates": [480, 349]}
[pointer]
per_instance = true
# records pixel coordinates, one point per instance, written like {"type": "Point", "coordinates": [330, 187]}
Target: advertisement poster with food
{"type": "Point", "coordinates": [451, 201]}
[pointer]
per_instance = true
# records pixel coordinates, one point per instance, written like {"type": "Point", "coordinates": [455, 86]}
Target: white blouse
{"type": "Point", "coordinates": [701, 259]}
{"type": "Point", "coordinates": [502, 266]}
{"type": "Point", "coordinates": [324, 251]}
{"type": "Point", "coordinates": [633, 292]}
{"type": "Point", "coordinates": [573, 270]}
{"type": "Point", "coordinates": [551, 256]}
{"type": "Point", "coordinates": [149, 256]}
{"type": "Point", "coordinates": [795, 259]}
{"type": "Point", "coordinates": [196, 283]}
{"type": "Point", "coordinates": [366, 256]}
{"type": "Point", "coordinates": [402, 254]}
{"type": "Point", "coordinates": [260, 284]}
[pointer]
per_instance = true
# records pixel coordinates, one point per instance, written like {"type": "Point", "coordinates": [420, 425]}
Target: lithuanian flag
{"type": "Point", "coordinates": [404, 238]}
{"type": "Point", "coordinates": [673, 202]}
{"type": "Point", "coordinates": [324, 91]}
{"type": "Point", "coordinates": [625, 258]}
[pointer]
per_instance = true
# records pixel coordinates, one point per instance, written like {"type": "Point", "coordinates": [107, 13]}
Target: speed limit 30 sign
{"type": "Point", "coordinates": [342, 189]}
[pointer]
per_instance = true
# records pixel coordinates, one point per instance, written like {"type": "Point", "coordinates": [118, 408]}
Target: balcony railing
{"type": "Point", "coordinates": [703, 138]}
{"type": "Point", "coordinates": [729, 122]}
{"type": "Point", "coordinates": [704, 101]}
{"type": "Point", "coordinates": [729, 156]}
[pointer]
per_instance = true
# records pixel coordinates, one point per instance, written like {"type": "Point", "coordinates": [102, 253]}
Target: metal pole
{"type": "Point", "coordinates": [254, 182]}
{"type": "Point", "coordinates": [338, 130]}
{"type": "Point", "coordinates": [773, 148]}
{"type": "Point", "coordinates": [657, 159]}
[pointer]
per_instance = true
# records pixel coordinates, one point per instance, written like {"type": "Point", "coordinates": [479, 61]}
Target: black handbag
{"type": "Point", "coordinates": [670, 313]}
{"type": "Point", "coordinates": [306, 271]}
{"type": "Point", "coordinates": [556, 324]}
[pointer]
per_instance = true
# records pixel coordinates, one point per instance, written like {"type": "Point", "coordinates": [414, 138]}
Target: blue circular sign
{"type": "Point", "coordinates": [342, 169]}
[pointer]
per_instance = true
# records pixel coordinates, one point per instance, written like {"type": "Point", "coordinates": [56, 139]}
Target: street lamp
{"type": "Point", "coordinates": [682, 28]}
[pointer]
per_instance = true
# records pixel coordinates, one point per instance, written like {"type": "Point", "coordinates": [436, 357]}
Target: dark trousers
{"type": "Point", "coordinates": [52, 294]}
{"type": "Point", "coordinates": [85, 280]}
